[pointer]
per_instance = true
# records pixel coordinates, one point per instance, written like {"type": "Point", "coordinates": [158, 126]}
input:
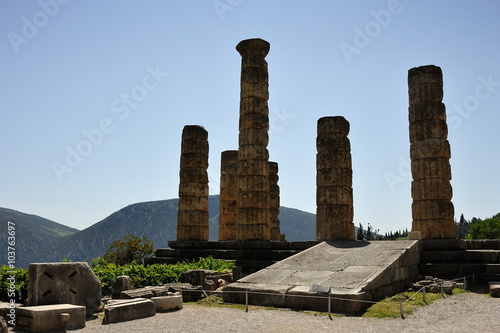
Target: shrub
{"type": "Point", "coordinates": [486, 229]}
{"type": "Point", "coordinates": [21, 283]}
{"type": "Point", "coordinates": [153, 275]}
{"type": "Point", "coordinates": [130, 249]}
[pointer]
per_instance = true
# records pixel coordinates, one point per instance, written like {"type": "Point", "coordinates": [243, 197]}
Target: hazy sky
{"type": "Point", "coordinates": [95, 95]}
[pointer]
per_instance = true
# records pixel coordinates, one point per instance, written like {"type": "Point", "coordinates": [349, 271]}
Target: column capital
{"type": "Point", "coordinates": [253, 47]}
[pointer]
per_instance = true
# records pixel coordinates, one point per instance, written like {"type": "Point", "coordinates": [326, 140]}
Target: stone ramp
{"type": "Point", "coordinates": [358, 271]}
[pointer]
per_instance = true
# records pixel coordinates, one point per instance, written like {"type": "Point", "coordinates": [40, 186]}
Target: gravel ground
{"type": "Point", "coordinates": [469, 312]}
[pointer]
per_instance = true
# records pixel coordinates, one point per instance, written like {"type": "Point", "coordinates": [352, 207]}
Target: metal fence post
{"type": "Point", "coordinates": [329, 307]}
{"type": "Point", "coordinates": [246, 300]}
{"type": "Point", "coordinates": [423, 295]}
{"type": "Point", "coordinates": [401, 310]}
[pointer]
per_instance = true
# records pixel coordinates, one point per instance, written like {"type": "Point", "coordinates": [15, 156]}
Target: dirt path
{"type": "Point", "coordinates": [468, 312]}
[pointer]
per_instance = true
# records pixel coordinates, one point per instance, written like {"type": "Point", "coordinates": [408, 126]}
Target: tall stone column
{"type": "Point", "coordinates": [228, 194]}
{"type": "Point", "coordinates": [334, 201]}
{"type": "Point", "coordinates": [252, 217]}
{"type": "Point", "coordinates": [192, 216]}
{"type": "Point", "coordinates": [274, 203]}
{"type": "Point", "coordinates": [432, 209]}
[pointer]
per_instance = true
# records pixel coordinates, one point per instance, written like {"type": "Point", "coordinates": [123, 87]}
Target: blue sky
{"type": "Point", "coordinates": [95, 95]}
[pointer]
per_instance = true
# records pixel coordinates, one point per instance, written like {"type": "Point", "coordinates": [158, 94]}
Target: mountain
{"type": "Point", "coordinates": [36, 238]}
{"type": "Point", "coordinates": [42, 240]}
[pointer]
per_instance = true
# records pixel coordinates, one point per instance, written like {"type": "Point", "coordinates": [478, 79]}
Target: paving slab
{"type": "Point", "coordinates": [354, 270]}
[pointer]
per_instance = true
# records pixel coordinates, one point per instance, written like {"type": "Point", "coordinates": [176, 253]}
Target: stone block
{"type": "Point", "coordinates": [45, 318]}
{"type": "Point", "coordinates": [3, 326]}
{"type": "Point", "coordinates": [7, 308]}
{"type": "Point", "coordinates": [122, 283]}
{"type": "Point", "coordinates": [124, 310]}
{"type": "Point", "coordinates": [414, 235]}
{"type": "Point", "coordinates": [494, 289]}
{"type": "Point", "coordinates": [167, 303]}
{"type": "Point", "coordinates": [64, 283]}
{"type": "Point", "coordinates": [430, 148]}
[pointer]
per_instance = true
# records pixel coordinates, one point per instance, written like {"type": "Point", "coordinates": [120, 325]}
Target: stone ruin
{"type": "Point", "coordinates": [249, 191]}
{"type": "Point", "coordinates": [334, 212]}
{"type": "Point", "coordinates": [432, 209]}
{"type": "Point", "coordinates": [192, 216]}
{"type": "Point", "coordinates": [228, 194]}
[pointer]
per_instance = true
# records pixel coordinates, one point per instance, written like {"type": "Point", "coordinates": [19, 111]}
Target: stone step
{"type": "Point", "coordinates": [245, 245]}
{"type": "Point", "coordinates": [454, 270]}
{"type": "Point", "coordinates": [468, 256]}
{"type": "Point", "coordinates": [460, 244]}
{"type": "Point", "coordinates": [227, 254]}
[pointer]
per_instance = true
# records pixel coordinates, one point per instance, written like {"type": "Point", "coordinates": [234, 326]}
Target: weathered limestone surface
{"type": "Point", "coordinates": [432, 209]}
{"type": "Point", "coordinates": [3, 326]}
{"type": "Point", "coordinates": [168, 303]}
{"type": "Point", "coordinates": [122, 310]}
{"type": "Point", "coordinates": [122, 283]}
{"type": "Point", "coordinates": [348, 269]}
{"type": "Point", "coordinates": [494, 288]}
{"type": "Point", "coordinates": [64, 283]}
{"type": "Point", "coordinates": [192, 217]}
{"type": "Point", "coordinates": [274, 203]}
{"type": "Point", "coordinates": [252, 216]}
{"type": "Point", "coordinates": [228, 194]}
{"type": "Point", "coordinates": [46, 318]}
{"type": "Point", "coordinates": [334, 200]}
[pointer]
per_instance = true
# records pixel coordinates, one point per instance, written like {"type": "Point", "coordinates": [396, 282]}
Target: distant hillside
{"type": "Point", "coordinates": [36, 237]}
{"type": "Point", "coordinates": [44, 240]}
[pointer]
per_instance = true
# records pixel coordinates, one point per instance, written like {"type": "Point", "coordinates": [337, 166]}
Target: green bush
{"type": "Point", "coordinates": [140, 276]}
{"type": "Point", "coordinates": [153, 275]}
{"type": "Point", "coordinates": [486, 229]}
{"type": "Point", "coordinates": [21, 284]}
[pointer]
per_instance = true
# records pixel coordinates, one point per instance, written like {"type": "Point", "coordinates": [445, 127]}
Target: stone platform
{"type": "Point", "coordinates": [458, 258]}
{"type": "Point", "coordinates": [352, 272]}
{"type": "Point", "coordinates": [250, 255]}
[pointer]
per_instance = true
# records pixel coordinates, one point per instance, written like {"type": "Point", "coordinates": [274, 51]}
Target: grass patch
{"type": "Point", "coordinates": [389, 307]}
{"type": "Point", "coordinates": [386, 308]}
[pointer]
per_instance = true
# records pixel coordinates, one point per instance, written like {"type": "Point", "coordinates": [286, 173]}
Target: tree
{"type": "Point", "coordinates": [130, 249]}
{"type": "Point", "coordinates": [486, 229]}
{"type": "Point", "coordinates": [361, 233]}
{"type": "Point", "coordinates": [462, 228]}
{"type": "Point", "coordinates": [369, 235]}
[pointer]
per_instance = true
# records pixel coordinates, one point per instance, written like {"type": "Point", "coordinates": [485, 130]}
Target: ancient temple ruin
{"type": "Point", "coordinates": [252, 215]}
{"type": "Point", "coordinates": [192, 216]}
{"type": "Point", "coordinates": [249, 190]}
{"type": "Point", "coordinates": [334, 212]}
{"type": "Point", "coordinates": [228, 193]}
{"type": "Point", "coordinates": [432, 209]}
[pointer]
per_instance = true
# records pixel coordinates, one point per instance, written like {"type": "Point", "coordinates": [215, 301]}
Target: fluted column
{"type": "Point", "coordinates": [252, 217]}
{"type": "Point", "coordinates": [192, 216]}
{"type": "Point", "coordinates": [432, 209]}
{"type": "Point", "coordinates": [334, 201]}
